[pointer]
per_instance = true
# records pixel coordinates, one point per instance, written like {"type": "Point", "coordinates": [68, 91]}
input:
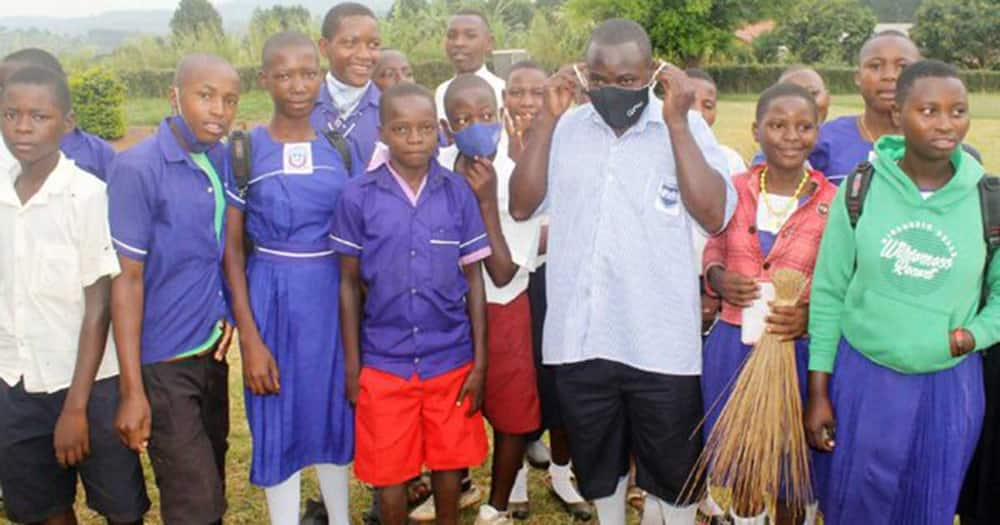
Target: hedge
{"type": "Point", "coordinates": [736, 78]}
{"type": "Point", "coordinates": [99, 102]}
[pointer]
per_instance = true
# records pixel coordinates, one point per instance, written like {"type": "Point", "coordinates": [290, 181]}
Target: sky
{"type": "Point", "coordinates": [74, 8]}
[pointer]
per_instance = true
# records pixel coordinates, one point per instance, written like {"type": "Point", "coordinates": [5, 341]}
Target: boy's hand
{"type": "Point", "coordinates": [481, 176]}
{"type": "Point", "coordinates": [72, 437]}
{"type": "Point", "coordinates": [134, 421]}
{"type": "Point", "coordinates": [709, 309]}
{"type": "Point", "coordinates": [473, 386]}
{"type": "Point", "coordinates": [788, 322]}
{"type": "Point", "coordinates": [353, 385]}
{"type": "Point", "coordinates": [678, 94]}
{"type": "Point", "coordinates": [516, 126]}
{"type": "Point", "coordinates": [734, 288]}
{"type": "Point", "coordinates": [820, 423]}
{"type": "Point", "coordinates": [224, 342]}
{"type": "Point", "coordinates": [260, 370]}
{"type": "Point", "coordinates": [560, 91]}
{"type": "Point", "coordinates": [961, 342]}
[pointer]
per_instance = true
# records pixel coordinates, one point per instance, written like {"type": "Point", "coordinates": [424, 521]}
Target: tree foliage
{"type": "Point", "coordinates": [682, 31]}
{"type": "Point", "coordinates": [894, 10]}
{"type": "Point", "coordinates": [197, 17]}
{"type": "Point", "coordinates": [99, 102]}
{"type": "Point", "coordinates": [819, 32]}
{"type": "Point", "coordinates": [281, 18]}
{"type": "Point", "coordinates": [963, 32]}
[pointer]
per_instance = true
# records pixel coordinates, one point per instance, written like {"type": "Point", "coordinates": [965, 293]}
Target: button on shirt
{"type": "Point", "coordinates": [622, 279]}
{"type": "Point", "coordinates": [412, 248]}
{"type": "Point", "coordinates": [162, 210]}
{"type": "Point", "coordinates": [55, 245]}
{"type": "Point", "coordinates": [360, 127]}
{"type": "Point", "coordinates": [522, 236]}
{"type": "Point", "coordinates": [90, 152]}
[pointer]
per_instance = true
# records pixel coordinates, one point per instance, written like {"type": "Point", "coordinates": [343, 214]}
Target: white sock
{"type": "Point", "coordinates": [333, 483]}
{"type": "Point", "coordinates": [710, 507]}
{"type": "Point", "coordinates": [562, 482]}
{"type": "Point", "coordinates": [283, 501]}
{"type": "Point", "coordinates": [811, 510]}
{"type": "Point", "coordinates": [760, 519]}
{"type": "Point", "coordinates": [519, 493]}
{"type": "Point", "coordinates": [667, 514]}
{"type": "Point", "coordinates": [611, 509]}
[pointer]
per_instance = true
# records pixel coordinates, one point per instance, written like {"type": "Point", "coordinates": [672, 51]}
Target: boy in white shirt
{"type": "Point", "coordinates": [58, 381]}
{"type": "Point", "coordinates": [468, 42]}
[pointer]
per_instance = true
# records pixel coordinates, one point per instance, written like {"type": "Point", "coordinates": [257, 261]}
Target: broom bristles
{"type": "Point", "coordinates": [757, 453]}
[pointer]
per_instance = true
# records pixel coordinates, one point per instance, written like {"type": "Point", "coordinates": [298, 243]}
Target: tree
{"type": "Point", "coordinates": [821, 31]}
{"type": "Point", "coordinates": [963, 32]}
{"type": "Point", "coordinates": [280, 18]}
{"type": "Point", "coordinates": [894, 10]}
{"type": "Point", "coordinates": [195, 17]}
{"type": "Point", "coordinates": [682, 31]}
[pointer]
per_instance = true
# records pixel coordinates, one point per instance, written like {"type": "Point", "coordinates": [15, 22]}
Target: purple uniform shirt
{"type": "Point", "coordinates": [839, 148]}
{"type": "Point", "coordinates": [412, 249]}
{"type": "Point", "coordinates": [90, 152]}
{"type": "Point", "coordinates": [162, 214]}
{"type": "Point", "coordinates": [360, 127]}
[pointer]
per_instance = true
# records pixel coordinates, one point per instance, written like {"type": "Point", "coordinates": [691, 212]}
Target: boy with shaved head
{"type": "Point", "coordinates": [167, 211]}
{"type": "Point", "coordinates": [624, 177]}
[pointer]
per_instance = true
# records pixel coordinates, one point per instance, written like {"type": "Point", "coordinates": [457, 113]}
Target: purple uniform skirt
{"type": "Point", "coordinates": [904, 441]}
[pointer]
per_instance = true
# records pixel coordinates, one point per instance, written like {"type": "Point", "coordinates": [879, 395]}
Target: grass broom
{"type": "Point", "coordinates": [757, 453]}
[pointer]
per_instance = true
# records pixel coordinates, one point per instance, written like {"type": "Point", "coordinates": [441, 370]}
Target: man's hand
{"type": "Point", "coordinates": [788, 322]}
{"type": "Point", "coordinates": [134, 422]}
{"type": "Point", "coordinates": [481, 176]}
{"type": "Point", "coordinates": [72, 437]}
{"type": "Point", "coordinates": [260, 370]}
{"type": "Point", "coordinates": [224, 342]}
{"type": "Point", "coordinates": [473, 387]}
{"type": "Point", "coordinates": [678, 94]}
{"type": "Point", "coordinates": [736, 289]}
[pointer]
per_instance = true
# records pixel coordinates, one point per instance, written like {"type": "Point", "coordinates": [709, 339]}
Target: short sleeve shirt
{"type": "Point", "coordinates": [90, 152]}
{"type": "Point", "coordinates": [412, 249]}
{"type": "Point", "coordinates": [360, 127]}
{"type": "Point", "coordinates": [839, 149]}
{"type": "Point", "coordinates": [162, 211]}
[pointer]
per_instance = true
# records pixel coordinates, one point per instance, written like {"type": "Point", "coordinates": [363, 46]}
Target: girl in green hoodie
{"type": "Point", "coordinates": [895, 319]}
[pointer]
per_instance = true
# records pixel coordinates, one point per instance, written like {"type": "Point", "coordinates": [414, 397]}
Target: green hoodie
{"type": "Point", "coordinates": [919, 271]}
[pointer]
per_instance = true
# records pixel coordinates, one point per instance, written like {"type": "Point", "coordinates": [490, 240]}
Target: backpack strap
{"type": "Point", "coordinates": [858, 183]}
{"type": "Point", "coordinates": [989, 203]}
{"type": "Point", "coordinates": [339, 143]}
{"type": "Point", "coordinates": [240, 160]}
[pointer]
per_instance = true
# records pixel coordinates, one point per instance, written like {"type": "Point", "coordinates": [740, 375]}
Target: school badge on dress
{"type": "Point", "coordinates": [298, 159]}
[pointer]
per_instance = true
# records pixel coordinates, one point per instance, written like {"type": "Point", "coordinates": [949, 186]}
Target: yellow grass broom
{"type": "Point", "coordinates": [757, 451]}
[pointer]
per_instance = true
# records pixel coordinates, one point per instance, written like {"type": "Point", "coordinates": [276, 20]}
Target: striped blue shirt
{"type": "Point", "coordinates": [623, 282]}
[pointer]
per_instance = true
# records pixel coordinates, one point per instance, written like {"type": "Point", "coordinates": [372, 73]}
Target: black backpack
{"type": "Point", "coordinates": [241, 160]}
{"type": "Point", "coordinates": [859, 182]}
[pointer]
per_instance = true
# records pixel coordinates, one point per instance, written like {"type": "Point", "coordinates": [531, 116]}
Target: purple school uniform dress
{"type": "Point", "coordinates": [162, 213]}
{"type": "Point", "coordinates": [360, 128]}
{"type": "Point", "coordinates": [839, 148]}
{"type": "Point", "coordinates": [90, 152]}
{"type": "Point", "coordinates": [412, 249]}
{"type": "Point", "coordinates": [294, 285]}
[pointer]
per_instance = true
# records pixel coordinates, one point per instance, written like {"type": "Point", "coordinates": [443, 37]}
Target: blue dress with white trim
{"type": "Point", "coordinates": [294, 285]}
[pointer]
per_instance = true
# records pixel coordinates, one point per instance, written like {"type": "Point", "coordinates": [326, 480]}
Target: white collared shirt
{"type": "Point", "coordinates": [7, 160]}
{"type": "Point", "coordinates": [55, 245]}
{"type": "Point", "coordinates": [494, 81]}
{"type": "Point", "coordinates": [522, 237]}
{"type": "Point", "coordinates": [622, 282]}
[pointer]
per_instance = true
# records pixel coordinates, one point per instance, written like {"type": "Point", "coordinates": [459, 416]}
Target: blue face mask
{"type": "Point", "coordinates": [478, 140]}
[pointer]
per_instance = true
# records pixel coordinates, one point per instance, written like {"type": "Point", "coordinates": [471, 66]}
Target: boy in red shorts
{"type": "Point", "coordinates": [412, 234]}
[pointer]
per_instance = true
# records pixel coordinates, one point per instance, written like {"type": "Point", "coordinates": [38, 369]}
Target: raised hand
{"type": "Point", "coordinates": [678, 93]}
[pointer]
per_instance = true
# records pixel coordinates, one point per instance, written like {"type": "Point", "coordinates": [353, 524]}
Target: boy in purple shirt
{"type": "Point", "coordinates": [411, 233]}
{"type": "Point", "coordinates": [348, 101]}
{"type": "Point", "coordinates": [844, 142]}
{"type": "Point", "coordinates": [90, 152]}
{"type": "Point", "coordinates": [167, 209]}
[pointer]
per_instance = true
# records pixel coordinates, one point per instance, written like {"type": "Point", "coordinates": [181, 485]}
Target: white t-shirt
{"type": "Point", "coordinates": [494, 81]}
{"type": "Point", "coordinates": [55, 245]}
{"type": "Point", "coordinates": [522, 237]}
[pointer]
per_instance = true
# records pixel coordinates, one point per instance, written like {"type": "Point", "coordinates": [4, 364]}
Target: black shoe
{"type": "Point", "coordinates": [315, 513]}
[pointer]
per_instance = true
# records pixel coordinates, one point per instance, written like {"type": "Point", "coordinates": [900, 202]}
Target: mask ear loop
{"type": "Point", "coordinates": [579, 78]}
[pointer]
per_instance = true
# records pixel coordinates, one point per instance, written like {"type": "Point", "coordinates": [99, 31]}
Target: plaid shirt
{"type": "Point", "coordinates": [737, 248]}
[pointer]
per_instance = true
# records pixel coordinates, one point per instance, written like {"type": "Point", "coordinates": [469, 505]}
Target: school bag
{"type": "Point", "coordinates": [241, 160]}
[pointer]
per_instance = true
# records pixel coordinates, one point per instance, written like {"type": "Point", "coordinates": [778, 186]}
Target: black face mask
{"type": "Point", "coordinates": [619, 107]}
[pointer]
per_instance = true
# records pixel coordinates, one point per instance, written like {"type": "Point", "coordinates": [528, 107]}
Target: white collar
{"type": "Point", "coordinates": [345, 97]}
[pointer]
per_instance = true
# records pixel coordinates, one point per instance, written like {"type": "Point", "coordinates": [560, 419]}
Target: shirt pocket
{"type": "Point", "coordinates": [56, 273]}
{"type": "Point", "coordinates": [664, 199]}
{"type": "Point", "coordinates": [444, 248]}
